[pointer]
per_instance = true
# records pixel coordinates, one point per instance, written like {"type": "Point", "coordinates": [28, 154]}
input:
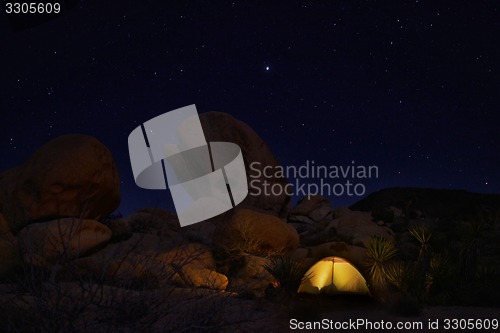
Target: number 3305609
{"type": "Point", "coordinates": [32, 8]}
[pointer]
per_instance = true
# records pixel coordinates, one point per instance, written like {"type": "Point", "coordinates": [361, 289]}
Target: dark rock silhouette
{"type": "Point", "coordinates": [428, 202]}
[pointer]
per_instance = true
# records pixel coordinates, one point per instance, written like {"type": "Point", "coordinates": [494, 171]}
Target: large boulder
{"type": "Point", "coordinates": [357, 228]}
{"type": "Point", "coordinates": [62, 239]}
{"type": "Point", "coordinates": [192, 265]}
{"type": "Point", "coordinates": [219, 126]}
{"type": "Point", "coordinates": [70, 176]}
{"type": "Point", "coordinates": [313, 208]}
{"type": "Point", "coordinates": [256, 233]}
{"type": "Point", "coordinates": [190, 276]}
{"type": "Point", "coordinates": [310, 217]}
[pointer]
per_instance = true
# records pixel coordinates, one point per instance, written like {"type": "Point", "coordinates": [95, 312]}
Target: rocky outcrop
{"type": "Point", "coordinates": [191, 254]}
{"type": "Point", "coordinates": [310, 217]}
{"type": "Point", "coordinates": [427, 202]}
{"type": "Point", "coordinates": [142, 262]}
{"type": "Point", "coordinates": [193, 265]}
{"type": "Point", "coordinates": [70, 176]}
{"type": "Point", "coordinates": [62, 239]}
{"type": "Point", "coordinates": [219, 126]}
{"type": "Point", "coordinates": [155, 221]}
{"type": "Point", "coordinates": [252, 232]}
{"type": "Point", "coordinates": [357, 228]}
{"type": "Point", "coordinates": [311, 209]}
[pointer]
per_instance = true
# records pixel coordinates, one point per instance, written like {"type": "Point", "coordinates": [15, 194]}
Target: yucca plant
{"type": "Point", "coordinates": [438, 265]}
{"type": "Point", "coordinates": [397, 274]}
{"type": "Point", "coordinates": [380, 251]}
{"type": "Point", "coordinates": [486, 274]}
{"type": "Point", "coordinates": [438, 279]}
{"type": "Point", "coordinates": [482, 288]}
{"type": "Point", "coordinates": [288, 272]}
{"type": "Point", "coordinates": [470, 253]}
{"type": "Point", "coordinates": [423, 236]}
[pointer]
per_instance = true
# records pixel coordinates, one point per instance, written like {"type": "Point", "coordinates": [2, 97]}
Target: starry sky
{"type": "Point", "coordinates": [410, 86]}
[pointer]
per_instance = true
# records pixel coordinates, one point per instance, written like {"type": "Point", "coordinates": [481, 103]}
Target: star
{"type": "Point", "coordinates": [267, 68]}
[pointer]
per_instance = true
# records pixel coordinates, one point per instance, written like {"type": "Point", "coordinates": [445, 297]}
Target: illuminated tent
{"type": "Point", "coordinates": [333, 275]}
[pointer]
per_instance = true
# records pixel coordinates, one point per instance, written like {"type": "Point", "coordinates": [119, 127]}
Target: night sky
{"type": "Point", "coordinates": [410, 86]}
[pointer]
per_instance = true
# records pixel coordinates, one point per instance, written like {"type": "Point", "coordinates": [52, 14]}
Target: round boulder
{"type": "Point", "coordinates": [70, 176]}
{"type": "Point", "coordinates": [256, 233]}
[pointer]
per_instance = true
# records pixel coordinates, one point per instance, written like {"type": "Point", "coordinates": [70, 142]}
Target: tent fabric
{"type": "Point", "coordinates": [333, 275]}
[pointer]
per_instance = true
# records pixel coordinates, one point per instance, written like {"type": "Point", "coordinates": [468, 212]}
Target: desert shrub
{"type": "Point", "coordinates": [473, 234]}
{"type": "Point", "coordinates": [288, 272]}
{"type": "Point", "coordinates": [482, 289]}
{"type": "Point", "coordinates": [440, 278]}
{"type": "Point", "coordinates": [233, 256]}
